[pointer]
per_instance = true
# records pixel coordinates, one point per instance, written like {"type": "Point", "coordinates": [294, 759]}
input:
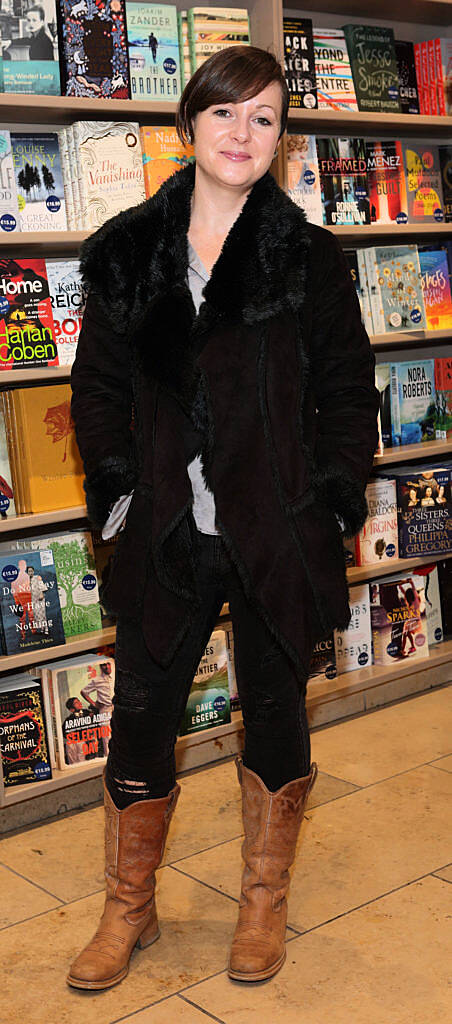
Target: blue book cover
{"type": "Point", "coordinates": [424, 511]}
{"type": "Point", "coordinates": [29, 47]}
{"type": "Point", "coordinates": [153, 51]}
{"type": "Point", "coordinates": [39, 181]}
{"type": "Point", "coordinates": [396, 274]}
{"type": "Point", "coordinates": [29, 602]}
{"type": "Point", "coordinates": [413, 401]}
{"type": "Point", "coordinates": [93, 48]}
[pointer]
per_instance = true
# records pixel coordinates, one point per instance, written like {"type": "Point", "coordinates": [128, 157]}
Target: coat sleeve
{"type": "Point", "coordinates": [102, 410]}
{"type": "Point", "coordinates": [343, 381]}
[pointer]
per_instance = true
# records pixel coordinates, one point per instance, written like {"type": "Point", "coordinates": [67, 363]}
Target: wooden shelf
{"type": "Point", "coordinates": [377, 233]}
{"type": "Point", "coordinates": [428, 12]}
{"type": "Point", "coordinates": [359, 573]}
{"type": "Point", "coordinates": [347, 122]}
{"type": "Point", "coordinates": [413, 339]}
{"type": "Point", "coordinates": [74, 645]}
{"type": "Point", "coordinates": [55, 243]}
{"type": "Point", "coordinates": [66, 109]}
{"type": "Point", "coordinates": [29, 521]}
{"type": "Point", "coordinates": [410, 452]}
{"type": "Point", "coordinates": [35, 373]}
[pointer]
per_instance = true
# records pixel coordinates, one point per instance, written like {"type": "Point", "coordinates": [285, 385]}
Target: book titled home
{"type": "Point", "coordinates": [27, 334]}
{"type": "Point", "coordinates": [424, 510]}
{"type": "Point", "coordinates": [395, 285]}
{"type": "Point", "coordinates": [399, 629]}
{"type": "Point", "coordinates": [343, 181]}
{"type": "Point", "coordinates": [9, 208]}
{"type": "Point", "coordinates": [29, 602]}
{"type": "Point", "coordinates": [303, 175]}
{"type": "Point", "coordinates": [299, 63]}
{"type": "Point", "coordinates": [67, 297]}
{"type": "Point", "coordinates": [353, 646]}
{"type": "Point", "coordinates": [208, 702]}
{"type": "Point", "coordinates": [374, 67]}
{"type": "Point", "coordinates": [153, 51]}
{"type": "Point", "coordinates": [335, 87]}
{"type": "Point", "coordinates": [413, 401]}
{"type": "Point", "coordinates": [408, 91]}
{"type": "Point", "coordinates": [24, 748]}
{"type": "Point", "coordinates": [110, 168]}
{"type": "Point", "coordinates": [423, 179]}
{"type": "Point", "coordinates": [377, 541]}
{"type": "Point", "coordinates": [29, 48]}
{"type": "Point", "coordinates": [436, 288]}
{"type": "Point", "coordinates": [92, 39]}
{"type": "Point", "coordinates": [81, 702]}
{"type": "Point", "coordinates": [162, 153]}
{"type": "Point", "coordinates": [39, 181]}
{"type": "Point", "coordinates": [386, 182]}
{"type": "Point", "coordinates": [443, 397]}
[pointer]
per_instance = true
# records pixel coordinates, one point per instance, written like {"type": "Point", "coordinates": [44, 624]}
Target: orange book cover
{"type": "Point", "coordinates": [52, 461]}
{"type": "Point", "coordinates": [163, 154]}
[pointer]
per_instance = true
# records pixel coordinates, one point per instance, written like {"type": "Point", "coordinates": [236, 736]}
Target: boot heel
{"type": "Point", "coordinates": [150, 934]}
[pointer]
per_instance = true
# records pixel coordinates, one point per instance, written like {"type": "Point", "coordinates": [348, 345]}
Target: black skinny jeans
{"type": "Point", "coordinates": [149, 701]}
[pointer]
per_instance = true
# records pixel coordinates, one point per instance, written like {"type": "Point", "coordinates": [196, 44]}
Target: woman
{"type": "Point", "coordinates": [232, 328]}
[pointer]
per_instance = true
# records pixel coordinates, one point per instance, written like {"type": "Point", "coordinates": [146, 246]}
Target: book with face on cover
{"type": "Point", "coordinates": [68, 298]}
{"type": "Point", "coordinates": [424, 510]}
{"type": "Point", "coordinates": [153, 51]}
{"type": "Point", "coordinates": [208, 702]}
{"type": "Point", "coordinates": [92, 39]}
{"type": "Point", "coordinates": [163, 153]}
{"type": "Point", "coordinates": [81, 701]}
{"type": "Point", "coordinates": [111, 171]}
{"type": "Point", "coordinates": [29, 603]}
{"type": "Point", "coordinates": [299, 64]}
{"type": "Point", "coordinates": [29, 48]}
{"type": "Point", "coordinates": [335, 87]}
{"type": "Point", "coordinates": [399, 627]}
{"type": "Point", "coordinates": [303, 173]}
{"type": "Point", "coordinates": [377, 541]}
{"type": "Point", "coordinates": [24, 742]}
{"type": "Point", "coordinates": [39, 181]}
{"type": "Point", "coordinates": [343, 180]}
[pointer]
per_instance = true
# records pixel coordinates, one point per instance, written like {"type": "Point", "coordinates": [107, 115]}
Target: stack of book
{"type": "Point", "coordinates": [211, 29]}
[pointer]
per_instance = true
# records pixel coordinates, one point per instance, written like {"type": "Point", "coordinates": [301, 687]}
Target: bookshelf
{"type": "Point", "coordinates": [361, 573]}
{"type": "Point", "coordinates": [412, 339]}
{"type": "Point", "coordinates": [413, 452]}
{"type": "Point", "coordinates": [318, 122]}
{"type": "Point", "coordinates": [35, 519]}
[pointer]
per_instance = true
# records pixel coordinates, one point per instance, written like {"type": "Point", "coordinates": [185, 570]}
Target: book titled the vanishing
{"type": "Point", "coordinates": [110, 170]}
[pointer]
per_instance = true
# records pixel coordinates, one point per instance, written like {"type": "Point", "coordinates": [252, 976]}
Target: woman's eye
{"type": "Point", "coordinates": [222, 112]}
{"type": "Point", "coordinates": [263, 120]}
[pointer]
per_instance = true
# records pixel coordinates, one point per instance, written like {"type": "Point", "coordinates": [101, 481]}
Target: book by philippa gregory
{"type": "Point", "coordinates": [424, 510]}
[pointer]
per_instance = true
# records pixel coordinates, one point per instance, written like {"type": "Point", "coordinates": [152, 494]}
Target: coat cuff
{"type": "Point", "coordinates": [343, 493]}
{"type": "Point", "coordinates": [113, 477]}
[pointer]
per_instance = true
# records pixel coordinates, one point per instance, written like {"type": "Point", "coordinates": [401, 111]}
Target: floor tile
{"type": "Point", "coordinates": [445, 873]}
{"type": "Point", "coordinates": [20, 899]}
{"type": "Point", "coordinates": [443, 762]}
{"type": "Point", "coordinates": [171, 1011]}
{"type": "Point", "coordinates": [355, 848]}
{"type": "Point", "coordinates": [386, 963]}
{"type": "Point", "coordinates": [197, 926]}
{"type": "Point", "coordinates": [391, 740]}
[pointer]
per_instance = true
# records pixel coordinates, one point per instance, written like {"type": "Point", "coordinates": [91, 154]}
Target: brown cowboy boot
{"type": "Point", "coordinates": [134, 843]}
{"type": "Point", "coordinates": [272, 822]}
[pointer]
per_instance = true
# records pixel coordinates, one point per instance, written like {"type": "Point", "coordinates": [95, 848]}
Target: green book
{"type": "Point", "coordinates": [208, 702]}
{"type": "Point", "coordinates": [374, 67]}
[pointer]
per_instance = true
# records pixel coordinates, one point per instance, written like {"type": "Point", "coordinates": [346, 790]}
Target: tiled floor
{"type": "Point", "coordinates": [369, 912]}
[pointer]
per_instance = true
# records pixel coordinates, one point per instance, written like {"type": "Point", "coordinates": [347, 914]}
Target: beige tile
{"type": "Point", "coordinates": [170, 1011]}
{"type": "Point", "coordinates": [197, 926]}
{"type": "Point", "coordinates": [20, 899]}
{"type": "Point", "coordinates": [388, 741]}
{"type": "Point", "coordinates": [445, 873]}
{"type": "Point", "coordinates": [386, 963]}
{"type": "Point", "coordinates": [355, 848]}
{"type": "Point", "coordinates": [445, 763]}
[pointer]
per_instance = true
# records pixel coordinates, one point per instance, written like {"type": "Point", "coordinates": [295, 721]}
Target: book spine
{"type": "Point", "coordinates": [374, 292]}
{"type": "Point", "coordinates": [432, 76]}
{"type": "Point", "coordinates": [48, 717]}
{"type": "Point", "coordinates": [439, 78]}
{"type": "Point", "coordinates": [180, 39]}
{"type": "Point", "coordinates": [13, 434]}
{"type": "Point", "coordinates": [81, 187]}
{"type": "Point", "coordinates": [191, 39]}
{"type": "Point", "coordinates": [418, 69]}
{"type": "Point", "coordinates": [11, 447]}
{"type": "Point", "coordinates": [395, 405]}
{"type": "Point", "coordinates": [24, 466]}
{"type": "Point", "coordinates": [74, 179]}
{"type": "Point", "coordinates": [367, 312]}
{"type": "Point", "coordinates": [425, 77]}
{"type": "Point", "coordinates": [56, 722]}
{"type": "Point", "coordinates": [67, 185]}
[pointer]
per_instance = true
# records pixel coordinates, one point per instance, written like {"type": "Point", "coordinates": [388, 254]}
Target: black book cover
{"type": "Point", "coordinates": [299, 63]}
{"type": "Point", "coordinates": [23, 739]}
{"type": "Point", "coordinates": [343, 181]}
{"type": "Point", "coordinates": [92, 42]}
{"type": "Point", "coordinates": [408, 93]}
{"type": "Point", "coordinates": [445, 163]}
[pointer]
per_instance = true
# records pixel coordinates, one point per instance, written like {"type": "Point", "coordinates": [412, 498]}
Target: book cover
{"type": "Point", "coordinates": [211, 29]}
{"type": "Point", "coordinates": [162, 154]}
{"type": "Point", "coordinates": [184, 48]}
{"type": "Point", "coordinates": [353, 646]}
{"type": "Point", "coordinates": [427, 584]}
{"type": "Point", "coordinates": [9, 207]}
{"type": "Point", "coordinates": [436, 289]}
{"type": "Point", "coordinates": [445, 163]}
{"type": "Point", "coordinates": [413, 401]}
{"type": "Point", "coordinates": [93, 48]}
{"type": "Point", "coordinates": [67, 179]}
{"type": "Point", "coordinates": [303, 174]}
{"type": "Point", "coordinates": [374, 67]}
{"type": "Point", "coordinates": [383, 384]}
{"type": "Point", "coordinates": [208, 702]}
{"type": "Point", "coordinates": [29, 47]}
{"type": "Point", "coordinates": [232, 677]}
{"type": "Point", "coordinates": [81, 697]}
{"type": "Point", "coordinates": [399, 628]}
{"type": "Point", "coordinates": [386, 182]}
{"type": "Point", "coordinates": [443, 398]}
{"type": "Point", "coordinates": [103, 556]}
{"type": "Point", "coordinates": [39, 181]}
{"type": "Point", "coordinates": [424, 509]}
{"type": "Point", "coordinates": [111, 171]}
{"type": "Point", "coordinates": [425, 78]}
{"type": "Point", "coordinates": [352, 260]}
{"type": "Point", "coordinates": [7, 503]}
{"type": "Point", "coordinates": [67, 297]}
{"type": "Point", "coordinates": [299, 64]}
{"type": "Point", "coordinates": [335, 86]}
{"type": "Point", "coordinates": [343, 181]}
{"type": "Point", "coordinates": [420, 84]}
{"type": "Point", "coordinates": [26, 321]}
{"type": "Point", "coordinates": [23, 735]}
{"type": "Point", "coordinates": [443, 53]}
{"type": "Point", "coordinates": [378, 540]}
{"type": "Point", "coordinates": [153, 51]}
{"type": "Point", "coordinates": [323, 660]}
{"type": "Point", "coordinates": [423, 180]}
{"type": "Point", "coordinates": [29, 602]}
{"type": "Point", "coordinates": [406, 68]}
{"type": "Point", "coordinates": [432, 77]}
{"type": "Point", "coordinates": [396, 295]}
{"type": "Point", "coordinates": [51, 463]}
{"type": "Point", "coordinates": [445, 589]}
{"type": "Point", "coordinates": [365, 292]}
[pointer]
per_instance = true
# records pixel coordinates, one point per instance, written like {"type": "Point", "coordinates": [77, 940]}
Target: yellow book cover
{"type": "Point", "coordinates": [52, 460]}
{"type": "Point", "coordinates": [163, 154]}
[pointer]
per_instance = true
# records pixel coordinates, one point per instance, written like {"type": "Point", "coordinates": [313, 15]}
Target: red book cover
{"type": "Point", "coordinates": [443, 388]}
{"type": "Point", "coordinates": [432, 76]}
{"type": "Point", "coordinates": [26, 320]}
{"type": "Point", "coordinates": [420, 86]}
{"type": "Point", "coordinates": [425, 78]}
{"type": "Point", "coordinates": [386, 182]}
{"type": "Point", "coordinates": [439, 78]}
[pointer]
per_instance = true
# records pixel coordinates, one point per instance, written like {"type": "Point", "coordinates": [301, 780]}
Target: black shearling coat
{"type": "Point", "coordinates": [276, 377]}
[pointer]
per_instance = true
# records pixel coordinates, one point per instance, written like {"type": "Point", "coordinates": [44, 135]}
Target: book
{"type": "Point", "coordinates": [413, 401]}
{"type": "Point", "coordinates": [445, 163]}
{"type": "Point", "coordinates": [365, 291]}
{"type": "Point", "coordinates": [395, 286]}
{"type": "Point", "coordinates": [26, 321]}
{"type": "Point", "coordinates": [353, 646]}
{"type": "Point", "coordinates": [323, 660]}
{"type": "Point", "coordinates": [111, 172]}
{"type": "Point", "coordinates": [377, 541]}
{"type": "Point", "coordinates": [406, 69]}
{"type": "Point", "coordinates": [398, 624]}
{"type": "Point", "coordinates": [24, 748]}
{"type": "Point", "coordinates": [445, 589]}
{"type": "Point", "coordinates": [92, 39]}
{"type": "Point", "coordinates": [208, 702]}
{"type": "Point", "coordinates": [67, 178]}
{"type": "Point", "coordinates": [335, 87]}
{"type": "Point", "coordinates": [67, 297]}
{"type": "Point", "coordinates": [162, 153]}
{"type": "Point", "coordinates": [153, 51]}
{"type": "Point", "coordinates": [7, 503]}
{"type": "Point", "coordinates": [436, 288]}
{"type": "Point", "coordinates": [443, 58]}
{"type": "Point", "coordinates": [374, 67]}
{"type": "Point", "coordinates": [303, 174]}
{"type": "Point", "coordinates": [103, 556]}
{"type": "Point", "coordinates": [424, 511]}
{"type": "Point", "coordinates": [81, 699]}
{"type": "Point", "coordinates": [39, 181]}
{"type": "Point", "coordinates": [432, 77]}
{"type": "Point", "coordinates": [9, 207]}
{"type": "Point", "coordinates": [423, 180]}
{"type": "Point", "coordinates": [299, 64]}
{"type": "Point", "coordinates": [184, 48]}
{"type": "Point", "coordinates": [443, 399]}
{"type": "Point", "coordinates": [211, 29]}
{"type": "Point", "coordinates": [352, 260]}
{"type": "Point", "coordinates": [29, 48]}
{"type": "Point", "coordinates": [29, 603]}
{"type": "Point", "coordinates": [343, 181]}
{"type": "Point", "coordinates": [232, 677]}
{"type": "Point", "coordinates": [420, 84]}
{"type": "Point", "coordinates": [383, 385]}
{"type": "Point", "coordinates": [386, 182]}
{"type": "Point", "coordinates": [427, 584]}
{"type": "Point", "coordinates": [425, 78]}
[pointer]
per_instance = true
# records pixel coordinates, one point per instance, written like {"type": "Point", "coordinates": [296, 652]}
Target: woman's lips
{"type": "Point", "coordinates": [236, 157]}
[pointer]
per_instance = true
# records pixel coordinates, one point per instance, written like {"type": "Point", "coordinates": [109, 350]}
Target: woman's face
{"type": "Point", "coordinates": [235, 142]}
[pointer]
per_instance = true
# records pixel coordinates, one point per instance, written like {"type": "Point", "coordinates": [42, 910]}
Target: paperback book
{"type": "Point", "coordinates": [23, 734]}
{"type": "Point", "coordinates": [353, 646]}
{"type": "Point", "coordinates": [443, 398]}
{"type": "Point", "coordinates": [26, 320]}
{"type": "Point", "coordinates": [110, 170]}
{"type": "Point", "coordinates": [9, 208]}
{"type": "Point", "coordinates": [378, 540]}
{"type": "Point", "coordinates": [394, 276]}
{"type": "Point", "coordinates": [323, 660]}
{"type": "Point", "coordinates": [386, 182]}
{"type": "Point", "coordinates": [162, 153]}
{"type": "Point", "coordinates": [445, 163]}
{"type": "Point", "coordinates": [153, 51]}
{"type": "Point", "coordinates": [399, 628]}
{"type": "Point", "coordinates": [423, 179]}
{"type": "Point", "coordinates": [93, 48]}
{"type": "Point", "coordinates": [343, 181]}
{"type": "Point", "coordinates": [374, 67]}
{"type": "Point", "coordinates": [39, 181]}
{"type": "Point", "coordinates": [443, 51]}
{"type": "Point", "coordinates": [7, 503]}
{"type": "Point", "coordinates": [303, 174]}
{"type": "Point", "coordinates": [68, 298]}
{"type": "Point", "coordinates": [299, 64]}
{"type": "Point", "coordinates": [29, 603]}
{"type": "Point", "coordinates": [424, 511]}
{"type": "Point", "coordinates": [29, 48]}
{"type": "Point", "coordinates": [335, 87]}
{"type": "Point", "coordinates": [211, 29]}
{"type": "Point", "coordinates": [427, 584]}
{"type": "Point", "coordinates": [436, 288]}
{"type": "Point", "coordinates": [184, 48]}
{"type": "Point", "coordinates": [383, 385]}
{"type": "Point", "coordinates": [413, 401]}
{"type": "Point", "coordinates": [232, 678]}
{"type": "Point", "coordinates": [81, 701]}
{"type": "Point", "coordinates": [445, 588]}
{"type": "Point", "coordinates": [208, 702]}
{"type": "Point", "coordinates": [408, 91]}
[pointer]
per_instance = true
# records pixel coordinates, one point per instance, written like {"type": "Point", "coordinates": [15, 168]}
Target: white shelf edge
{"type": "Point", "coordinates": [30, 520]}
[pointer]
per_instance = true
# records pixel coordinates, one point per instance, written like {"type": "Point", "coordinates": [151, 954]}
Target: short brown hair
{"type": "Point", "coordinates": [232, 75]}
